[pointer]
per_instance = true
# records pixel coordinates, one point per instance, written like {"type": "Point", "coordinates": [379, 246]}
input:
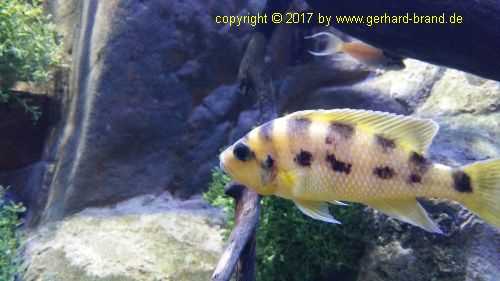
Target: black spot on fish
{"type": "Point", "coordinates": [414, 179]}
{"type": "Point", "coordinates": [384, 172]}
{"type": "Point", "coordinates": [265, 130]}
{"type": "Point", "coordinates": [268, 163]}
{"type": "Point", "coordinates": [338, 166]}
{"type": "Point", "coordinates": [299, 127]}
{"type": "Point", "coordinates": [304, 158]}
{"type": "Point", "coordinates": [461, 181]}
{"type": "Point", "coordinates": [385, 143]}
{"type": "Point", "coordinates": [418, 164]}
{"type": "Point", "coordinates": [338, 131]}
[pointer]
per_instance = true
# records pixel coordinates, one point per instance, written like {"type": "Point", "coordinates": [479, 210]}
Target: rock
{"type": "Point", "coordinates": [246, 121]}
{"type": "Point", "coordinates": [145, 238]}
{"type": "Point", "coordinates": [468, 115]}
{"type": "Point", "coordinates": [410, 86]}
{"type": "Point", "coordinates": [455, 94]}
{"type": "Point", "coordinates": [201, 118]}
{"type": "Point", "coordinates": [482, 262]}
{"type": "Point", "coordinates": [352, 97]}
{"type": "Point", "coordinates": [381, 258]}
{"type": "Point", "coordinates": [22, 138]}
{"type": "Point", "coordinates": [222, 101]}
{"type": "Point", "coordinates": [206, 150]}
{"type": "Point", "coordinates": [144, 88]}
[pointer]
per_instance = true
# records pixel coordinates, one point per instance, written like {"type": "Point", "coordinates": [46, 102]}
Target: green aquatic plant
{"type": "Point", "coordinates": [29, 48]}
{"type": "Point", "coordinates": [9, 241]}
{"type": "Point", "coordinates": [292, 246]}
{"type": "Point", "coordinates": [215, 195]}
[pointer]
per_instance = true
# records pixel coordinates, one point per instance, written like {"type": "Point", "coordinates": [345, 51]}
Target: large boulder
{"type": "Point", "coordinates": [145, 238]}
{"type": "Point", "coordinates": [143, 77]}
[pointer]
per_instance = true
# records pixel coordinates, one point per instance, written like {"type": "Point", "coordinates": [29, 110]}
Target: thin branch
{"type": "Point", "coordinates": [246, 222]}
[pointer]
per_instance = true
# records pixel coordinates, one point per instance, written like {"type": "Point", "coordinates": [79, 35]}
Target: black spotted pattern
{"type": "Point", "coordinates": [461, 181]}
{"type": "Point", "coordinates": [338, 166]}
{"type": "Point", "coordinates": [338, 131]}
{"type": "Point", "coordinates": [299, 126]}
{"type": "Point", "coordinates": [304, 158]}
{"type": "Point", "coordinates": [418, 166]}
{"type": "Point", "coordinates": [384, 172]}
{"type": "Point", "coordinates": [414, 179]}
{"type": "Point", "coordinates": [386, 144]}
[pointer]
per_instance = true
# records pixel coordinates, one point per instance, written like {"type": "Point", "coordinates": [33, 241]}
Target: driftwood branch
{"type": "Point", "coordinates": [240, 249]}
{"type": "Point", "coordinates": [472, 45]}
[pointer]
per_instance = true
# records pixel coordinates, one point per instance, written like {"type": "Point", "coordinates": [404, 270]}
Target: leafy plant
{"type": "Point", "coordinates": [292, 246]}
{"type": "Point", "coordinates": [215, 195]}
{"type": "Point", "coordinates": [9, 242]}
{"type": "Point", "coordinates": [29, 47]}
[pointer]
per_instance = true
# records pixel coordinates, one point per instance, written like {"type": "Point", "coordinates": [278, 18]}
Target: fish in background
{"type": "Point", "coordinates": [361, 52]}
{"type": "Point", "coordinates": [316, 157]}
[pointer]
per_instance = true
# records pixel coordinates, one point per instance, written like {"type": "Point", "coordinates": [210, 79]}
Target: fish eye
{"type": "Point", "coordinates": [242, 152]}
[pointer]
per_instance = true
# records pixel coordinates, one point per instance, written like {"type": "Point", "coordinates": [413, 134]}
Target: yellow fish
{"type": "Point", "coordinates": [362, 52]}
{"type": "Point", "coordinates": [316, 157]}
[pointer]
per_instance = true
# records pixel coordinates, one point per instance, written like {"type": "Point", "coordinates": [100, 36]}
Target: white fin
{"type": "Point", "coordinates": [332, 47]}
{"type": "Point", "coordinates": [316, 210]}
{"type": "Point", "coordinates": [339, 203]}
{"type": "Point", "coordinates": [409, 211]}
{"type": "Point", "coordinates": [409, 132]}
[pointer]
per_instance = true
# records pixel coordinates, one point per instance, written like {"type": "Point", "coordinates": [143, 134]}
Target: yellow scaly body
{"type": "Point", "coordinates": [375, 158]}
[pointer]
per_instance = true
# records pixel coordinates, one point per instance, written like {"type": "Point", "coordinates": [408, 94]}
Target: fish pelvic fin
{"type": "Point", "coordinates": [483, 181]}
{"type": "Point", "coordinates": [333, 45]}
{"type": "Point", "coordinates": [316, 210]}
{"type": "Point", "coordinates": [340, 203]}
{"type": "Point", "coordinates": [408, 210]}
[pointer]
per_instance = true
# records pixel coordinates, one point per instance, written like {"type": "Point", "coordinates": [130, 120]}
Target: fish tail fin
{"type": "Point", "coordinates": [334, 44]}
{"type": "Point", "coordinates": [485, 195]}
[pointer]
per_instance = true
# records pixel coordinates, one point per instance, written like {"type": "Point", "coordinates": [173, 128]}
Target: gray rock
{"type": "Point", "coordinates": [246, 121]}
{"type": "Point", "coordinates": [201, 118]}
{"type": "Point", "coordinates": [205, 150]}
{"type": "Point", "coordinates": [355, 97]}
{"type": "Point", "coordinates": [222, 102]}
{"type": "Point", "coordinates": [137, 240]}
{"type": "Point", "coordinates": [127, 122]}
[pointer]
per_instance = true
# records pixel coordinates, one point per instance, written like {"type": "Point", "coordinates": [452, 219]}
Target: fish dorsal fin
{"type": "Point", "coordinates": [316, 210]}
{"type": "Point", "coordinates": [409, 211]}
{"type": "Point", "coordinates": [412, 133]}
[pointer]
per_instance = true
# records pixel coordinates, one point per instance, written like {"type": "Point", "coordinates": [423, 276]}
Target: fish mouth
{"type": "Point", "coordinates": [221, 165]}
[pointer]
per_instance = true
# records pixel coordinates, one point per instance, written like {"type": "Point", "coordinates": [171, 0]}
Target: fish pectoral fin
{"type": "Point", "coordinates": [291, 181]}
{"type": "Point", "coordinates": [316, 210]}
{"type": "Point", "coordinates": [409, 211]}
